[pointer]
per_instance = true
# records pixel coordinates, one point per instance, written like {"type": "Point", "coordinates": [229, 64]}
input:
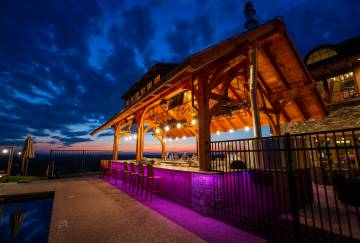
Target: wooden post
{"type": "Point", "coordinates": [204, 124]}
{"type": "Point", "coordinates": [163, 146]}
{"type": "Point", "coordinates": [116, 142]}
{"type": "Point", "coordinates": [140, 136]}
{"type": "Point", "coordinates": [253, 92]}
{"type": "Point", "coordinates": [10, 161]}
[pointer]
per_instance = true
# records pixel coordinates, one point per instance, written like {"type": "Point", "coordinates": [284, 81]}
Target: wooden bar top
{"type": "Point", "coordinates": [171, 167]}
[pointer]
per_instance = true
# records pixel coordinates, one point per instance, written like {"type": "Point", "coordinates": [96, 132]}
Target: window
{"type": "Point", "coordinates": [157, 78]}
{"type": "Point", "coordinates": [149, 85]}
{"type": "Point", "coordinates": [343, 87]}
{"type": "Point", "coordinates": [320, 55]}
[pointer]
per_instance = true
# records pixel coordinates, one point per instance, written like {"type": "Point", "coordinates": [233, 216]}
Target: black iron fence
{"type": "Point", "coordinates": [302, 188]}
{"type": "Point", "coordinates": [64, 163]}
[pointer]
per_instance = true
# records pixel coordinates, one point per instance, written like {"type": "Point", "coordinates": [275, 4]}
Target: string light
{"type": "Point", "coordinates": [247, 129]}
{"type": "Point", "coordinates": [178, 125]}
{"type": "Point", "coordinates": [218, 132]}
{"type": "Point", "coordinates": [134, 136]}
{"type": "Point", "coordinates": [176, 138]}
{"type": "Point", "coordinates": [170, 139]}
{"type": "Point", "coordinates": [231, 130]}
{"type": "Point", "coordinates": [157, 131]}
{"type": "Point", "coordinates": [193, 122]}
{"type": "Point", "coordinates": [184, 137]}
{"type": "Point", "coordinates": [126, 138]}
{"type": "Point", "coordinates": [167, 128]}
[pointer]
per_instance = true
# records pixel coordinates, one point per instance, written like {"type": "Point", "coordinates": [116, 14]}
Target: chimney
{"type": "Point", "coordinates": [250, 15]}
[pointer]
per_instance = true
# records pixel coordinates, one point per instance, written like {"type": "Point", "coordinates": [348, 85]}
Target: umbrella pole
{"type": "Point", "coordinates": [26, 166]}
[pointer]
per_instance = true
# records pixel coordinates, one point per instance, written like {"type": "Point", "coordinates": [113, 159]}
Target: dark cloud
{"type": "Point", "coordinates": [185, 37]}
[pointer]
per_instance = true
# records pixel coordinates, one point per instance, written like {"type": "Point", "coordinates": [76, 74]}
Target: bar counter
{"type": "Point", "coordinates": [187, 185]}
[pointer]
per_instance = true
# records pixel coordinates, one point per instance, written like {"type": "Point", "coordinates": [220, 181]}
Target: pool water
{"type": "Point", "coordinates": [36, 215]}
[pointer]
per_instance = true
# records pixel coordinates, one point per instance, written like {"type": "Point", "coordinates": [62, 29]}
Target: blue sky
{"type": "Point", "coordinates": [64, 64]}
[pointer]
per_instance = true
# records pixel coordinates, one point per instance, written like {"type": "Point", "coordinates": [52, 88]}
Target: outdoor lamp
{"type": "Point", "coordinates": [5, 151]}
{"type": "Point", "coordinates": [193, 122]}
{"type": "Point", "coordinates": [19, 153]}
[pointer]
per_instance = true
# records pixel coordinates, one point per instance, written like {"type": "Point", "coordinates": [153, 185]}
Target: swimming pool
{"type": "Point", "coordinates": [25, 217]}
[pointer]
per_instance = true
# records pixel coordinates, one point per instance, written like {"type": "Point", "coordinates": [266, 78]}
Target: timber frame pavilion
{"type": "Point", "coordinates": [253, 79]}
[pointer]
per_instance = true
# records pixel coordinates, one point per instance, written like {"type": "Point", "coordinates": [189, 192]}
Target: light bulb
{"type": "Point", "coordinates": [5, 151]}
{"type": "Point", "coordinates": [157, 131]}
{"type": "Point", "coordinates": [247, 129]}
{"type": "Point", "coordinates": [184, 137]}
{"type": "Point", "coordinates": [193, 122]}
{"type": "Point", "coordinates": [231, 130]}
{"type": "Point", "coordinates": [167, 128]}
{"type": "Point", "coordinates": [218, 132]}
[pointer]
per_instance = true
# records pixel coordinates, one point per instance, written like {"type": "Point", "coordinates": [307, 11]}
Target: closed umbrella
{"type": "Point", "coordinates": [27, 153]}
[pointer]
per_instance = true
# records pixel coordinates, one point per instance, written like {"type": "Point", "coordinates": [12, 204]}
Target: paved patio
{"type": "Point", "coordinates": [91, 210]}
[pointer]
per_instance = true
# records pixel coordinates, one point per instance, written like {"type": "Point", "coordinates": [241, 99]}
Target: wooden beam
{"type": "Point", "coordinates": [269, 57]}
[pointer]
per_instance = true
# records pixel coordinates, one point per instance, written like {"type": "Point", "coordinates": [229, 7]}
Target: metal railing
{"type": "Point", "coordinates": [303, 187]}
{"type": "Point", "coordinates": [64, 163]}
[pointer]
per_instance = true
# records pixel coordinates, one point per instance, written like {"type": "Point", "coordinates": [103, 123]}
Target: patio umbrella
{"type": "Point", "coordinates": [27, 153]}
{"type": "Point", "coordinates": [16, 222]}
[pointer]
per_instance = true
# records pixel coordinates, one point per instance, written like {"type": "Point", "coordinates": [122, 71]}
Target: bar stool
{"type": "Point", "coordinates": [124, 174]}
{"type": "Point", "coordinates": [104, 169]}
{"type": "Point", "coordinates": [140, 182]}
{"type": "Point", "coordinates": [114, 174]}
{"type": "Point", "coordinates": [154, 184]}
{"type": "Point", "coordinates": [133, 175]}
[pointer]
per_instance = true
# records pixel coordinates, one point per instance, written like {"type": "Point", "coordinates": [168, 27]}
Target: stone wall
{"type": "Point", "coordinates": [342, 115]}
{"type": "Point", "coordinates": [203, 193]}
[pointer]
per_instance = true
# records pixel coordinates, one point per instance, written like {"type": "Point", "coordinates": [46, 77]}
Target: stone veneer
{"type": "Point", "coordinates": [203, 193]}
{"type": "Point", "coordinates": [341, 116]}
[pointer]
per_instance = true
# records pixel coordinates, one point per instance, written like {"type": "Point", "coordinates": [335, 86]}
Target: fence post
{"type": "Point", "coordinates": [52, 163]}
{"type": "Point", "coordinates": [10, 160]}
{"type": "Point", "coordinates": [292, 189]}
{"type": "Point", "coordinates": [82, 161]}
